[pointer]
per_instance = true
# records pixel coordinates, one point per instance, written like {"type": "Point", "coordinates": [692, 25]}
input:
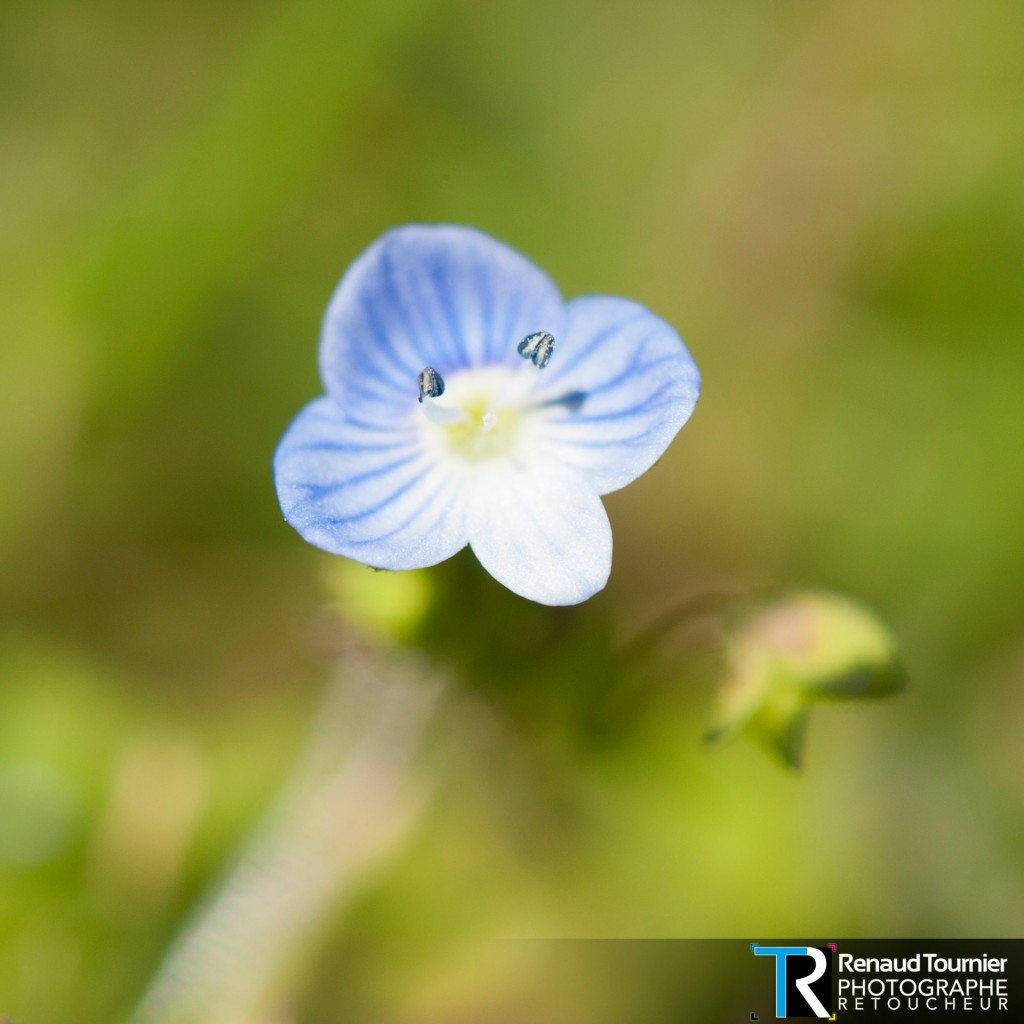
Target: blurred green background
{"type": "Point", "coordinates": [827, 199]}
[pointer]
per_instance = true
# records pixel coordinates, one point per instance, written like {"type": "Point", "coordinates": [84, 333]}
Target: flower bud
{"type": "Point", "coordinates": [792, 651]}
{"type": "Point", "coordinates": [385, 606]}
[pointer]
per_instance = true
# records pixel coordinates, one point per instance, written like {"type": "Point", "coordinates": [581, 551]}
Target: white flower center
{"type": "Point", "coordinates": [485, 413]}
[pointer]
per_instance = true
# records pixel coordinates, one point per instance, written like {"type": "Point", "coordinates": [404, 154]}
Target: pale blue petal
{"type": "Point", "coordinates": [442, 296]}
{"type": "Point", "coordinates": [545, 537]}
{"type": "Point", "coordinates": [367, 492]}
{"type": "Point", "coordinates": [622, 387]}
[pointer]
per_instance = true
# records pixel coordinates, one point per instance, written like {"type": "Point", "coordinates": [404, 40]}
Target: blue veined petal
{"type": "Point", "coordinates": [441, 296]}
{"type": "Point", "coordinates": [546, 537]}
{"type": "Point", "coordinates": [369, 493]}
{"type": "Point", "coordinates": [625, 383]}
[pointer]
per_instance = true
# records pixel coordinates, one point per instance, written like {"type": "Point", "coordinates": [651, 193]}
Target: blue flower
{"type": "Point", "coordinates": [468, 404]}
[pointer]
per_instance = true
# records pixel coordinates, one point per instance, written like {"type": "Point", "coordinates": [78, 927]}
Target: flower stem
{"type": "Point", "coordinates": [694, 606]}
{"type": "Point", "coordinates": [349, 803]}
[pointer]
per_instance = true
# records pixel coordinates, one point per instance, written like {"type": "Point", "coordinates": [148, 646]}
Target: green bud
{"type": "Point", "coordinates": [784, 655]}
{"type": "Point", "coordinates": [383, 605]}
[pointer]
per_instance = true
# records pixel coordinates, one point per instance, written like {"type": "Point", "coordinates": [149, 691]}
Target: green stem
{"type": "Point", "coordinates": [694, 606]}
{"type": "Point", "coordinates": [349, 804]}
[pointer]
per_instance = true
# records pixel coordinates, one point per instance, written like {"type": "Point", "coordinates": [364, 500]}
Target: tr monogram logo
{"type": "Point", "coordinates": [803, 980]}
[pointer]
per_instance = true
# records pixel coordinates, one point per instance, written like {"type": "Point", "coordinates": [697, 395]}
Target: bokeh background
{"type": "Point", "coordinates": [827, 199]}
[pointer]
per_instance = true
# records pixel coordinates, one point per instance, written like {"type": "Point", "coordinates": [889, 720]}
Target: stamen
{"type": "Point", "coordinates": [431, 383]}
{"type": "Point", "coordinates": [538, 348]}
{"type": "Point", "coordinates": [489, 420]}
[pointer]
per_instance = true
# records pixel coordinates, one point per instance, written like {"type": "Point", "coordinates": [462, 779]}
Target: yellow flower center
{"type": "Point", "coordinates": [483, 434]}
{"type": "Point", "coordinates": [480, 414]}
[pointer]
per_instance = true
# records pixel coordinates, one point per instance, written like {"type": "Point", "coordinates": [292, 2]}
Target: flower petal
{"type": "Point", "coordinates": [545, 537]}
{"type": "Point", "coordinates": [442, 296]}
{"type": "Point", "coordinates": [623, 387]}
{"type": "Point", "coordinates": [367, 492]}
